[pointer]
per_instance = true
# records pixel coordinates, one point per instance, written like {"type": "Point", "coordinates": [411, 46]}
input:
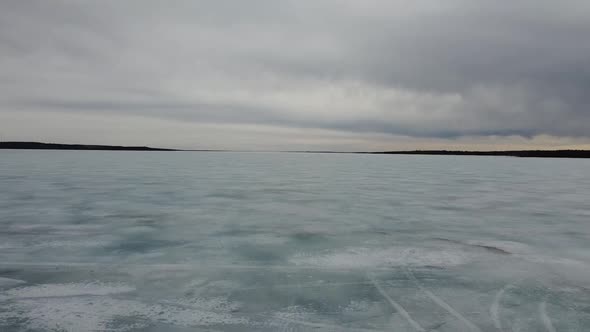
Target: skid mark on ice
{"type": "Point", "coordinates": [441, 303]}
{"type": "Point", "coordinates": [545, 317]}
{"type": "Point", "coordinates": [495, 308]}
{"type": "Point", "coordinates": [396, 305]}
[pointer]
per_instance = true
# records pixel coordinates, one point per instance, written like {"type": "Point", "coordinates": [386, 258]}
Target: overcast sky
{"type": "Point", "coordinates": [292, 75]}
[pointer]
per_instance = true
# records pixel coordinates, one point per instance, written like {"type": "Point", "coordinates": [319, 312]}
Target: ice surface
{"type": "Point", "coordinates": [145, 242]}
{"type": "Point", "coordinates": [99, 313]}
{"type": "Point", "coordinates": [73, 289]}
{"type": "Point", "coordinates": [8, 282]}
{"type": "Point", "coordinates": [363, 258]}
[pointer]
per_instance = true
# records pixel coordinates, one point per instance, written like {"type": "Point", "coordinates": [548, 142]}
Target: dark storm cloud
{"type": "Point", "coordinates": [419, 68]}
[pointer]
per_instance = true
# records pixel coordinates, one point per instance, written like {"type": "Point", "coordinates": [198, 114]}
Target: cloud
{"type": "Point", "coordinates": [425, 69]}
{"type": "Point", "coordinates": [93, 128]}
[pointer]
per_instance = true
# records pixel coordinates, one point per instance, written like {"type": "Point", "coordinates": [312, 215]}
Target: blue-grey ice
{"type": "Point", "coordinates": [108, 241]}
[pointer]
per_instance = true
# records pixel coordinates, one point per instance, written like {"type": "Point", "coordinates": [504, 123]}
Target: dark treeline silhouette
{"type": "Point", "coordinates": [516, 153]}
{"type": "Point", "coordinates": [513, 153]}
{"type": "Point", "coordinates": [55, 146]}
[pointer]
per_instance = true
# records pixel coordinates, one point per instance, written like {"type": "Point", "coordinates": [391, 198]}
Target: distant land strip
{"type": "Point", "coordinates": [55, 146]}
{"type": "Point", "coordinates": [513, 153]}
{"type": "Point", "coordinates": [509, 153]}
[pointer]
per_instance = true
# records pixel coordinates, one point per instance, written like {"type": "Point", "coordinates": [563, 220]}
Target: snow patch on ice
{"type": "Point", "coordinates": [62, 290]}
{"type": "Point", "coordinates": [80, 314]}
{"type": "Point", "coordinates": [288, 313]}
{"type": "Point", "coordinates": [90, 307]}
{"type": "Point", "coordinates": [565, 262]}
{"type": "Point", "coordinates": [7, 282]}
{"type": "Point", "coordinates": [357, 306]}
{"type": "Point", "coordinates": [374, 258]}
{"type": "Point", "coordinates": [72, 244]}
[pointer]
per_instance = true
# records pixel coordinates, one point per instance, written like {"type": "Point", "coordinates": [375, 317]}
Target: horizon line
{"type": "Point", "coordinates": [555, 153]}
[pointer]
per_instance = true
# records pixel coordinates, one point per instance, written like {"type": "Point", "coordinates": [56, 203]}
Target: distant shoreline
{"type": "Point", "coordinates": [507, 153]}
{"type": "Point", "coordinates": [510, 153]}
{"type": "Point", "coordinates": [56, 146]}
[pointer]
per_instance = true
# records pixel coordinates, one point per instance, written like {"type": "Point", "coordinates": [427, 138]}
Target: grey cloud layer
{"type": "Point", "coordinates": [419, 68]}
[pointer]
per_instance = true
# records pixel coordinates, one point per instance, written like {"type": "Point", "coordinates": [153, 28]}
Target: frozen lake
{"type": "Point", "coordinates": [187, 241]}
